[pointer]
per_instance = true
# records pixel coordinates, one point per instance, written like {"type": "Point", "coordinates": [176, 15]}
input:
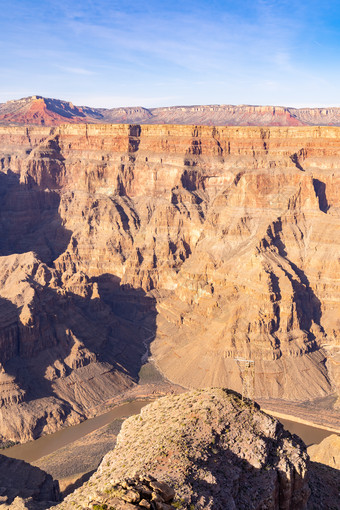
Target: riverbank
{"type": "Point", "coordinates": [71, 454]}
{"type": "Point", "coordinates": [295, 419]}
{"type": "Point", "coordinates": [73, 464]}
{"type": "Point", "coordinates": [321, 413]}
{"type": "Point", "coordinates": [46, 445]}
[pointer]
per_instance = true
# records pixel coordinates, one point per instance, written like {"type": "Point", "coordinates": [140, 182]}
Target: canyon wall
{"type": "Point", "coordinates": [209, 243]}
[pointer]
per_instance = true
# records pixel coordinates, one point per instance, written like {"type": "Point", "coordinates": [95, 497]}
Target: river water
{"type": "Point", "coordinates": [310, 435]}
{"type": "Point", "coordinates": [34, 450]}
{"type": "Point", "coordinates": [48, 444]}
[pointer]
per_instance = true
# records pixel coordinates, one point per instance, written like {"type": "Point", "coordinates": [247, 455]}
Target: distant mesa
{"type": "Point", "coordinates": [53, 112]}
{"type": "Point", "coordinates": [41, 111]}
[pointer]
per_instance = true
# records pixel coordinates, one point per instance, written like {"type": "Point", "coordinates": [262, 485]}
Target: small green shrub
{"type": "Point", "coordinates": [179, 504]}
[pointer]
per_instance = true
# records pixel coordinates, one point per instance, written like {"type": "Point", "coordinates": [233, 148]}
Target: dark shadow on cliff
{"type": "Point", "coordinates": [78, 350]}
{"type": "Point", "coordinates": [78, 483]}
{"type": "Point", "coordinates": [20, 479]}
{"type": "Point", "coordinates": [308, 306]}
{"type": "Point", "coordinates": [134, 137]}
{"type": "Point", "coordinates": [136, 311]}
{"type": "Point", "coordinates": [320, 191]}
{"type": "Point", "coordinates": [235, 483]}
{"type": "Point", "coordinates": [324, 482]}
{"type": "Point", "coordinates": [29, 220]}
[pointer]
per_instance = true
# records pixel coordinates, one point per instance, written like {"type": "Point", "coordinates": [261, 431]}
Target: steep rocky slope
{"type": "Point", "coordinates": [213, 450]}
{"type": "Point", "coordinates": [324, 474]}
{"type": "Point", "coordinates": [53, 112]}
{"type": "Point", "coordinates": [62, 352]}
{"type": "Point", "coordinates": [208, 243]}
{"type": "Point", "coordinates": [20, 480]}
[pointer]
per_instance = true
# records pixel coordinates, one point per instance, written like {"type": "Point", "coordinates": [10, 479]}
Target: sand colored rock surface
{"type": "Point", "coordinates": [213, 450]}
{"type": "Point", "coordinates": [62, 353]}
{"type": "Point", "coordinates": [205, 242]}
{"type": "Point", "coordinates": [327, 452]}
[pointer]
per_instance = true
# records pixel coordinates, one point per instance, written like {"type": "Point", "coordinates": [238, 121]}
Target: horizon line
{"type": "Point", "coordinates": [254, 105]}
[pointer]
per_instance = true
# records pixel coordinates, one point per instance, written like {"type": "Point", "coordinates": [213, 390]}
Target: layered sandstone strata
{"type": "Point", "coordinates": [230, 234]}
{"type": "Point", "coordinates": [327, 452]}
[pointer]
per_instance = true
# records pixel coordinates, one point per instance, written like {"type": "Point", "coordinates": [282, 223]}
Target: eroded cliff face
{"type": "Point", "coordinates": [230, 234]}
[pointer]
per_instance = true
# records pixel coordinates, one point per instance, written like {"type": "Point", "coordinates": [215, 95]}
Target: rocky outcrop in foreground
{"type": "Point", "coordinates": [204, 449]}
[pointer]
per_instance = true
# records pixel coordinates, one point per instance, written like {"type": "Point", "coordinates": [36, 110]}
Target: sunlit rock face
{"type": "Point", "coordinates": [212, 242]}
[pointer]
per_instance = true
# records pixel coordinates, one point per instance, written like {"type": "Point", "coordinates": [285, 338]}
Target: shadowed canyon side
{"type": "Point", "coordinates": [66, 344]}
{"type": "Point", "coordinates": [22, 482]}
{"type": "Point", "coordinates": [230, 235]}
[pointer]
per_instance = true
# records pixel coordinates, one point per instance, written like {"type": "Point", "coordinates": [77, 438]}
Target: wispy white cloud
{"type": "Point", "coordinates": [254, 51]}
{"type": "Point", "coordinates": [76, 70]}
{"type": "Point", "coordinates": [191, 43]}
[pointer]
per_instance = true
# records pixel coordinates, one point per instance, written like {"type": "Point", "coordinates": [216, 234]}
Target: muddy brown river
{"type": "Point", "coordinates": [310, 435]}
{"type": "Point", "coordinates": [45, 445]}
{"type": "Point", "coordinates": [48, 444]}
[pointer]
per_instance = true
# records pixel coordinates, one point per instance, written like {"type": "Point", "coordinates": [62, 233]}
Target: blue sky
{"type": "Point", "coordinates": [120, 53]}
